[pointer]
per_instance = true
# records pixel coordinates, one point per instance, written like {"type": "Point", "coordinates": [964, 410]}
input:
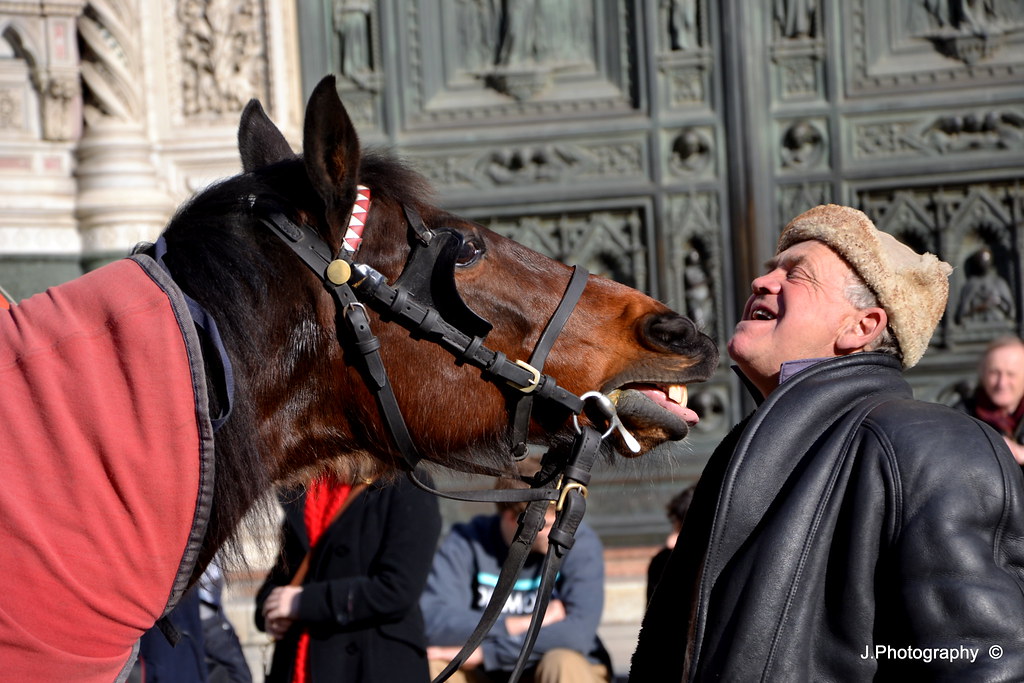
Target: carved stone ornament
{"type": "Point", "coordinates": [972, 227]}
{"type": "Point", "coordinates": [695, 257]}
{"type": "Point", "coordinates": [991, 129]}
{"type": "Point", "coordinates": [916, 45]}
{"type": "Point", "coordinates": [223, 55]}
{"type": "Point", "coordinates": [796, 19]}
{"type": "Point", "coordinates": [802, 146]}
{"type": "Point", "coordinates": [352, 24]}
{"type": "Point", "coordinates": [799, 75]}
{"type": "Point", "coordinates": [680, 22]}
{"type": "Point", "coordinates": [685, 58]}
{"type": "Point", "coordinates": [534, 164]}
{"type": "Point", "coordinates": [968, 30]}
{"type": "Point", "coordinates": [111, 63]}
{"type": "Point", "coordinates": [795, 199]}
{"type": "Point", "coordinates": [517, 48]}
{"type": "Point", "coordinates": [711, 402]}
{"type": "Point", "coordinates": [39, 76]}
{"type": "Point", "coordinates": [12, 109]}
{"type": "Point", "coordinates": [956, 132]}
{"type": "Point", "coordinates": [548, 163]}
{"type": "Point", "coordinates": [986, 296]}
{"type": "Point", "coordinates": [798, 51]}
{"type": "Point", "coordinates": [608, 243]}
{"type": "Point", "coordinates": [692, 152]}
{"type": "Point", "coordinates": [58, 107]}
{"type": "Point", "coordinates": [697, 279]}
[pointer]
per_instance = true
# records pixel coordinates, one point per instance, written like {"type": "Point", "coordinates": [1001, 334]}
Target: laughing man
{"type": "Point", "coordinates": [844, 531]}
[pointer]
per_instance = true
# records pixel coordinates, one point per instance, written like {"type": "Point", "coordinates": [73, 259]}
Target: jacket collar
{"type": "Point", "coordinates": [788, 370]}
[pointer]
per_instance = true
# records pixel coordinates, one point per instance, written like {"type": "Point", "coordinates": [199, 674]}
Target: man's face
{"type": "Point", "coordinates": [540, 544]}
{"type": "Point", "coordinates": [510, 524]}
{"type": "Point", "coordinates": [797, 309]}
{"type": "Point", "coordinates": [1002, 376]}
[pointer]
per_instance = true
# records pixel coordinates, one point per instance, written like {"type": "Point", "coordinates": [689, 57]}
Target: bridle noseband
{"type": "Point", "coordinates": [425, 301]}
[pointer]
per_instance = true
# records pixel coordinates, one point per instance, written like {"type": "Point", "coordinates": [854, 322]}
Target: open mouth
{"type": "Point", "coordinates": [760, 313]}
{"type": "Point", "coordinates": [655, 409]}
{"type": "Point", "coordinates": [651, 397]}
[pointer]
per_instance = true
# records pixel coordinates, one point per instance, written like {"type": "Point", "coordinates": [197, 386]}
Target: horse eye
{"type": "Point", "coordinates": [470, 252]}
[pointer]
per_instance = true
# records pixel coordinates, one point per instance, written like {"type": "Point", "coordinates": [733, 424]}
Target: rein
{"type": "Point", "coordinates": [449, 323]}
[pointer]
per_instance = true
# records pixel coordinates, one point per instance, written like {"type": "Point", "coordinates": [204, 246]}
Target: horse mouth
{"type": "Point", "coordinates": [654, 413]}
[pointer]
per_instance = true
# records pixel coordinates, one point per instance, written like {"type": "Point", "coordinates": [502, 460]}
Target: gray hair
{"type": "Point", "coordinates": [860, 297]}
{"type": "Point", "coordinates": [998, 343]}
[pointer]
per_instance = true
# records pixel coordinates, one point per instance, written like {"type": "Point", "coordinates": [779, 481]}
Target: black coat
{"type": "Point", "coordinates": [843, 516]}
{"type": "Point", "coordinates": [361, 595]}
{"type": "Point", "coordinates": [184, 662]}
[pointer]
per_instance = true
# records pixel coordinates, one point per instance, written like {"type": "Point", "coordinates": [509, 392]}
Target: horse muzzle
{"type": "Point", "coordinates": [651, 396]}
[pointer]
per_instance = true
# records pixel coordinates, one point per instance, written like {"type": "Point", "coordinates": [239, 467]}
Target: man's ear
{"type": "Point", "coordinates": [865, 327]}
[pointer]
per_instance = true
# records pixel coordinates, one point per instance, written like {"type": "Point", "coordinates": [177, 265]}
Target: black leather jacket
{"type": "Point", "coordinates": [846, 532]}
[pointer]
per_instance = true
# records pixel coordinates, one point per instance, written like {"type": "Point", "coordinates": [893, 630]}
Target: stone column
{"type": "Point", "coordinates": [121, 199]}
{"type": "Point", "coordinates": [40, 110]}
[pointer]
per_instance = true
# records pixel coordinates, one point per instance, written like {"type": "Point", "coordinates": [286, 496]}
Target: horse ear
{"type": "Point", "coordinates": [260, 143]}
{"type": "Point", "coordinates": [331, 151]}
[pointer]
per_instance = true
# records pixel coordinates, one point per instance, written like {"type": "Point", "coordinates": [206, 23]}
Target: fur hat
{"type": "Point", "coordinates": [911, 287]}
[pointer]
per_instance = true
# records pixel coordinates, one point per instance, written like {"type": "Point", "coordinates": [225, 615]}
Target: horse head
{"type": "Point", "coordinates": [301, 396]}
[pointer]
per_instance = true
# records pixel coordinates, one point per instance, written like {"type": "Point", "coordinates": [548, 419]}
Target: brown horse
{"type": "Point", "coordinates": [298, 400]}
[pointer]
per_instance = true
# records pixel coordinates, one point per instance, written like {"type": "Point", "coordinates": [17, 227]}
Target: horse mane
{"type": "Point", "coordinates": [392, 178]}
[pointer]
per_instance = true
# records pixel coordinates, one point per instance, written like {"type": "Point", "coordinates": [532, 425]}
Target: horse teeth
{"type": "Point", "coordinates": [678, 393]}
{"type": "Point", "coordinates": [613, 395]}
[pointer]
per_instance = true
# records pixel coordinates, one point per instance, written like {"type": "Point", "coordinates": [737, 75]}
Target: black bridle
{"type": "Point", "coordinates": [425, 301]}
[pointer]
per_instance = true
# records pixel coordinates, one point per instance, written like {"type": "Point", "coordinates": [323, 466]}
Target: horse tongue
{"type": "Point", "coordinates": [680, 411]}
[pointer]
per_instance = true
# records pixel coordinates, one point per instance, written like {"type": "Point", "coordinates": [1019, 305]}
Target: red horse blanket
{"type": "Point", "coordinates": [106, 470]}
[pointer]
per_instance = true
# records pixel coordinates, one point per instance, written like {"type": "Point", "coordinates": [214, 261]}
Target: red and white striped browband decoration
{"type": "Point", "coordinates": [354, 234]}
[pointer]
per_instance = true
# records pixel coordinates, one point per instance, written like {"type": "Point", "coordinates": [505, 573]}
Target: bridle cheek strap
{"type": "Point", "coordinates": [572, 505]}
{"type": "Point", "coordinates": [524, 404]}
{"type": "Point", "coordinates": [570, 508]}
{"type": "Point", "coordinates": [530, 524]}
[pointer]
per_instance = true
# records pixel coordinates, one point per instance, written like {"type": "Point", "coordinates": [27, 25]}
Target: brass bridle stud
{"type": "Point", "coordinates": [339, 271]}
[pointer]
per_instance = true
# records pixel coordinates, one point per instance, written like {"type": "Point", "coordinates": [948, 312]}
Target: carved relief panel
{"type": "Point", "coordinates": [693, 253]}
{"type": "Point", "coordinates": [220, 51]}
{"type": "Point", "coordinates": [977, 229]}
{"type": "Point", "coordinates": [20, 116]}
{"type": "Point", "coordinates": [949, 132]}
{"type": "Point", "coordinates": [692, 153]}
{"type": "Point", "coordinates": [611, 242]}
{"type": "Point", "coordinates": [481, 62]}
{"type": "Point", "coordinates": [684, 48]}
{"type": "Point", "coordinates": [925, 45]}
{"type": "Point", "coordinates": [797, 50]}
{"type": "Point", "coordinates": [517, 164]}
{"type": "Point", "coordinates": [40, 97]}
{"type": "Point", "coordinates": [348, 38]}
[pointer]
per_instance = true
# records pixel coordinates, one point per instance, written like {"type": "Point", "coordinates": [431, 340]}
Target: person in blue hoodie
{"type": "Point", "coordinates": [462, 578]}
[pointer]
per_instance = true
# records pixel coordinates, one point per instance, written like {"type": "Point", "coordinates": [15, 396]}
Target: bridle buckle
{"type": "Point", "coordinates": [572, 485]}
{"type": "Point", "coordinates": [534, 381]}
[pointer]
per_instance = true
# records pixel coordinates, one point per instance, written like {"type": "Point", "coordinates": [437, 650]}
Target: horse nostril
{"type": "Point", "coordinates": [669, 331]}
